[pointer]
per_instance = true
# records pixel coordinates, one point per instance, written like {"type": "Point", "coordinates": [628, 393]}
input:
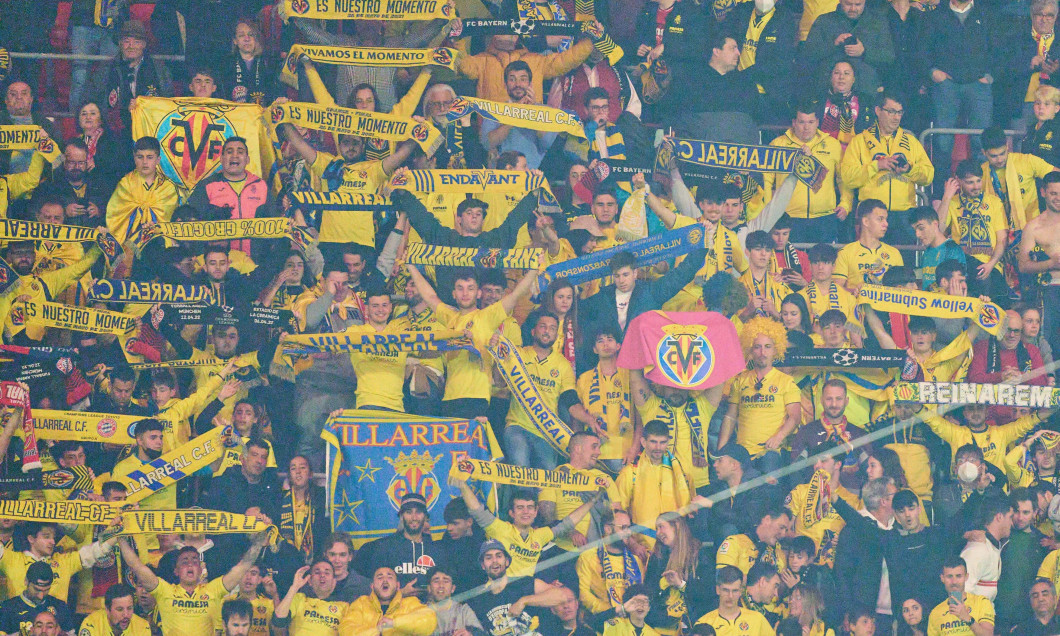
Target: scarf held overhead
{"type": "Point", "coordinates": [384, 10]}
{"type": "Point", "coordinates": [122, 290]}
{"type": "Point", "coordinates": [366, 56]}
{"type": "Point", "coordinates": [408, 341]}
{"type": "Point", "coordinates": [485, 257]}
{"type": "Point", "coordinates": [1017, 395]}
{"type": "Point", "coordinates": [526, 477]}
{"type": "Point", "coordinates": [748, 158]}
{"type": "Point", "coordinates": [60, 316]}
{"type": "Point", "coordinates": [276, 227]}
{"type": "Point", "coordinates": [469, 181]}
{"type": "Point", "coordinates": [67, 512]}
{"type": "Point", "coordinates": [191, 521]}
{"type": "Point", "coordinates": [15, 230]}
{"type": "Point", "coordinates": [29, 138]}
{"type": "Point", "coordinates": [360, 123]}
{"type": "Point", "coordinates": [648, 251]}
{"type": "Point", "coordinates": [857, 358]}
{"type": "Point", "coordinates": [532, 116]}
{"type": "Point", "coordinates": [921, 303]}
{"type": "Point", "coordinates": [82, 426]}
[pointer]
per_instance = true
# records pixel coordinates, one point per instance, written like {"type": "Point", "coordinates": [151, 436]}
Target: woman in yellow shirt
{"type": "Point", "coordinates": [280, 288]}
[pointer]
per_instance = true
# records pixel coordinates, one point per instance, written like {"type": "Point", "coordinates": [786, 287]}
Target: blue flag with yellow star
{"type": "Point", "coordinates": [376, 457]}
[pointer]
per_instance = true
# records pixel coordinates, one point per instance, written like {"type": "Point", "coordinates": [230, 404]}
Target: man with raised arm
{"type": "Point", "coordinates": [188, 607]}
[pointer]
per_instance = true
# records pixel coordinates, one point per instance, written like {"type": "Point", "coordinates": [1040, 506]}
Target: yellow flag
{"type": "Point", "coordinates": [192, 132]}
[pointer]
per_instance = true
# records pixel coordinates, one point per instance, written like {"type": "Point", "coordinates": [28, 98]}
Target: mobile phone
{"type": "Point", "coordinates": [787, 271]}
{"type": "Point", "coordinates": [850, 41]}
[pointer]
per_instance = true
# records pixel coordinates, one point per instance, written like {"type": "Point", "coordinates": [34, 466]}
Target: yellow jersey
{"type": "Point", "coordinates": [380, 375]}
{"type": "Point", "coordinates": [824, 530]}
{"type": "Point", "coordinates": [608, 398]}
{"type": "Point", "coordinates": [14, 566]}
{"type": "Point", "coordinates": [748, 623]}
{"type": "Point", "coordinates": [727, 256]}
{"type": "Point", "coordinates": [552, 375]}
{"type": "Point", "coordinates": [423, 322]}
{"type": "Point", "coordinates": [602, 578]}
{"type": "Point", "coordinates": [467, 374]}
{"type": "Point", "coordinates": [647, 490]}
{"type": "Point", "coordinates": [943, 622]}
{"type": "Point", "coordinates": [974, 224]}
{"type": "Point", "coordinates": [97, 624]}
{"type": "Point", "coordinates": [860, 171]}
{"type": "Point", "coordinates": [835, 296]}
{"type": "Point", "coordinates": [567, 501]}
{"type": "Point", "coordinates": [688, 431]}
{"type": "Point", "coordinates": [524, 551]}
{"type": "Point", "coordinates": [1018, 177]}
{"type": "Point", "coordinates": [192, 613]}
{"type": "Point", "coordinates": [315, 617]}
{"type": "Point", "coordinates": [765, 287]}
{"type": "Point", "coordinates": [857, 264]}
{"type": "Point", "coordinates": [761, 406]}
{"type": "Point", "coordinates": [741, 552]}
{"type": "Point", "coordinates": [994, 441]}
{"type": "Point", "coordinates": [337, 175]}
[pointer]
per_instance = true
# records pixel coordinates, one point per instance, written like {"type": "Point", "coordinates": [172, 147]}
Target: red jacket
{"type": "Point", "coordinates": [254, 200]}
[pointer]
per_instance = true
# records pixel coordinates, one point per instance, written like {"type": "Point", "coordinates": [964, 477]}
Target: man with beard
{"type": "Point", "coordinates": [118, 617]}
{"type": "Point", "coordinates": [500, 138]}
{"type": "Point", "coordinates": [833, 426]}
{"type": "Point", "coordinates": [606, 573]}
{"type": "Point", "coordinates": [313, 613]}
{"type": "Point", "coordinates": [553, 376]}
{"type": "Point", "coordinates": [149, 440]}
{"type": "Point", "coordinates": [688, 414]}
{"type": "Point", "coordinates": [21, 255]}
{"type": "Point", "coordinates": [245, 194]}
{"type": "Point", "coordinates": [349, 172]}
{"type": "Point", "coordinates": [556, 503]}
{"type": "Point", "coordinates": [409, 552]}
{"type": "Point", "coordinates": [462, 148]}
{"type": "Point", "coordinates": [387, 610]}
{"type": "Point", "coordinates": [502, 606]}
{"type": "Point", "coordinates": [84, 191]}
{"type": "Point", "coordinates": [118, 397]}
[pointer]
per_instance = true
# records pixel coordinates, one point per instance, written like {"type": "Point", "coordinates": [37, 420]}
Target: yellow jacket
{"type": "Point", "coordinates": [1020, 172]}
{"type": "Point", "coordinates": [411, 617]}
{"type": "Point", "coordinates": [488, 68]}
{"type": "Point", "coordinates": [13, 186]}
{"type": "Point", "coordinates": [805, 203]}
{"type": "Point", "coordinates": [859, 170]}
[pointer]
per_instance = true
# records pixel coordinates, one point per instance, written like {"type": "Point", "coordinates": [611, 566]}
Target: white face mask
{"type": "Point", "coordinates": [765, 6]}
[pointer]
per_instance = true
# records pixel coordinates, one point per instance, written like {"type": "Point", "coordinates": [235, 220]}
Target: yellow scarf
{"type": "Point", "coordinates": [361, 123]}
{"type": "Point", "coordinates": [385, 10]}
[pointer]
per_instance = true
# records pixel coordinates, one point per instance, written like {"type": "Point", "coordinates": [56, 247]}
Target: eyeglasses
{"type": "Point", "coordinates": [70, 162]}
{"type": "Point", "coordinates": [445, 104]}
{"type": "Point", "coordinates": [1013, 331]}
{"type": "Point", "coordinates": [597, 108]}
{"type": "Point", "coordinates": [893, 111]}
{"type": "Point", "coordinates": [1047, 16]}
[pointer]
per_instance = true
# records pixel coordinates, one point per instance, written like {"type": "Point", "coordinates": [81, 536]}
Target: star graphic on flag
{"type": "Point", "coordinates": [346, 509]}
{"type": "Point", "coordinates": [367, 471]}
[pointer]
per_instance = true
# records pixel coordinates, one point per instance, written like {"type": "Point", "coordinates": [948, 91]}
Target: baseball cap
{"type": "Point", "coordinates": [412, 499]}
{"type": "Point", "coordinates": [735, 451]}
{"type": "Point", "coordinates": [40, 572]}
{"type": "Point", "coordinates": [492, 544]}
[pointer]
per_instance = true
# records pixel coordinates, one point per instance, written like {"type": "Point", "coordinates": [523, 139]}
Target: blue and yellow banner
{"type": "Point", "coordinates": [376, 457]}
{"type": "Point", "coordinates": [649, 251]}
{"type": "Point", "coordinates": [748, 158]}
